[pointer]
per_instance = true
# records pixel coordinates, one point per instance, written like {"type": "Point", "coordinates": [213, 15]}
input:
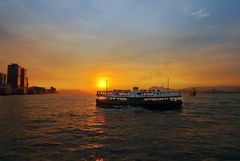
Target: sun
{"type": "Point", "coordinates": [102, 84]}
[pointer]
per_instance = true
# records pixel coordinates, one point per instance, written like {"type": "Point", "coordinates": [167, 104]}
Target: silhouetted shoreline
{"type": "Point", "coordinates": [214, 90]}
{"type": "Point", "coordinates": [15, 82]}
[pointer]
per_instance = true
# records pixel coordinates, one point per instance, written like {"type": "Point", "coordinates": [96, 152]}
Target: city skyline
{"type": "Point", "coordinates": [77, 44]}
{"type": "Point", "coordinates": [15, 82]}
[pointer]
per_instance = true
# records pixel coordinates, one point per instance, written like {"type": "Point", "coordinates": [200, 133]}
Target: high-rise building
{"type": "Point", "coordinates": [17, 79]}
{"type": "Point", "coordinates": [24, 80]}
{"type": "Point", "coordinates": [3, 79]}
{"type": "Point", "coordinates": [14, 76]}
{"type": "Point", "coordinates": [4, 88]}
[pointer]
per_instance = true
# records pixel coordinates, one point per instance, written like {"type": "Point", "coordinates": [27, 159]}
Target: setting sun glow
{"type": "Point", "coordinates": [102, 84]}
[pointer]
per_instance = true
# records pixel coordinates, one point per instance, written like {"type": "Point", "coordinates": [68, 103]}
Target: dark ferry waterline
{"type": "Point", "coordinates": [150, 99]}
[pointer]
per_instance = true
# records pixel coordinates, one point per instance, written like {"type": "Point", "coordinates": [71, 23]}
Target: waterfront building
{"type": "Point", "coordinates": [4, 88]}
{"type": "Point", "coordinates": [24, 81]}
{"type": "Point", "coordinates": [36, 90]}
{"type": "Point", "coordinates": [17, 79]}
{"type": "Point", "coordinates": [41, 90]}
{"type": "Point", "coordinates": [52, 90]}
{"type": "Point", "coordinates": [3, 79]}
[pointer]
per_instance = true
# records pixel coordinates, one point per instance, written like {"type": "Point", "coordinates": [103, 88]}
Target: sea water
{"type": "Point", "coordinates": [71, 127]}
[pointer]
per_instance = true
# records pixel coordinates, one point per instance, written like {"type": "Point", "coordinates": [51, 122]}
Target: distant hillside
{"type": "Point", "coordinates": [214, 89]}
{"type": "Point", "coordinates": [157, 88]}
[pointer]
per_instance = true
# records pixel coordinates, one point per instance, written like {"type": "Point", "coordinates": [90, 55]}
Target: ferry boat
{"type": "Point", "coordinates": [151, 99]}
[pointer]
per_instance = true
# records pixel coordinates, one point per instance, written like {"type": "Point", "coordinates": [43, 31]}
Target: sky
{"type": "Point", "coordinates": [75, 44]}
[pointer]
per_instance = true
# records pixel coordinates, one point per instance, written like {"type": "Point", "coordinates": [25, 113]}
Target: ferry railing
{"type": "Point", "coordinates": [146, 94]}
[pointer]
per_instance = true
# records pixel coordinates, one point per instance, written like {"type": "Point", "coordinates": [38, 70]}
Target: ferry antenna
{"type": "Point", "coordinates": [168, 83]}
{"type": "Point", "coordinates": [106, 85]}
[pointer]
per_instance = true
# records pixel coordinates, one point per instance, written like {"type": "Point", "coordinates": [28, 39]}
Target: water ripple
{"type": "Point", "coordinates": [71, 127]}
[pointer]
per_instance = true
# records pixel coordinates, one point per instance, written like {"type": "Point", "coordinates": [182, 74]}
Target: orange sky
{"type": "Point", "coordinates": [72, 48]}
{"type": "Point", "coordinates": [53, 64]}
{"type": "Point", "coordinates": [124, 72]}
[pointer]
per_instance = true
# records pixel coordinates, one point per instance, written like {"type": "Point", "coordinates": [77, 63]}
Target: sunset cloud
{"type": "Point", "coordinates": [201, 13]}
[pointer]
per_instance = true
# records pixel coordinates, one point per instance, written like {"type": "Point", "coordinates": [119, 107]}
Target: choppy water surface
{"type": "Point", "coordinates": [71, 127]}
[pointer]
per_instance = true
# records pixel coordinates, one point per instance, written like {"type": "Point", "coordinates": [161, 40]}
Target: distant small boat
{"type": "Point", "coordinates": [151, 99]}
{"type": "Point", "coordinates": [193, 92]}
